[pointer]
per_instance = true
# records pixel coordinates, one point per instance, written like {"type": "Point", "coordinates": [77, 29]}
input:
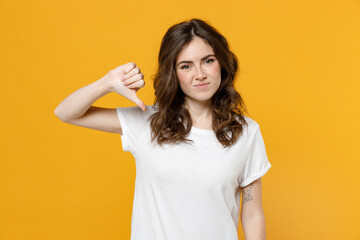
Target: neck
{"type": "Point", "coordinates": [200, 112]}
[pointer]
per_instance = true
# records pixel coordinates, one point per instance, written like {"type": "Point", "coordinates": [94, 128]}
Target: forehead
{"type": "Point", "coordinates": [195, 50]}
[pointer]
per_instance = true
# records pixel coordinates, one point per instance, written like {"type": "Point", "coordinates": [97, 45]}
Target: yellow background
{"type": "Point", "coordinates": [299, 76]}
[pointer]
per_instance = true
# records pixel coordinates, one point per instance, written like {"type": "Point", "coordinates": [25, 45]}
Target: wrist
{"type": "Point", "coordinates": [105, 85]}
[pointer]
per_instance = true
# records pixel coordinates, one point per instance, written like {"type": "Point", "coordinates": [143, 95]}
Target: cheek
{"type": "Point", "coordinates": [183, 79]}
{"type": "Point", "coordinates": [215, 71]}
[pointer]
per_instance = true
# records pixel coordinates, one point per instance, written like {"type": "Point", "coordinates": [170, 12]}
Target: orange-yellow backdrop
{"type": "Point", "coordinates": [299, 76]}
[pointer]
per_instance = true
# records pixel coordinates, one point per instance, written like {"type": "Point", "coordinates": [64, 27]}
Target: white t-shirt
{"type": "Point", "coordinates": [189, 192]}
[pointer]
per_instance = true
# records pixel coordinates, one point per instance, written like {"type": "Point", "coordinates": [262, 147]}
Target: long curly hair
{"type": "Point", "coordinates": [172, 122]}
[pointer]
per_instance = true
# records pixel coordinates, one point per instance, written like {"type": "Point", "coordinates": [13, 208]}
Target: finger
{"type": "Point", "coordinates": [133, 72]}
{"type": "Point", "coordinates": [133, 79]}
{"type": "Point", "coordinates": [138, 102]}
{"type": "Point", "coordinates": [125, 67]}
{"type": "Point", "coordinates": [137, 84]}
{"type": "Point", "coordinates": [130, 67]}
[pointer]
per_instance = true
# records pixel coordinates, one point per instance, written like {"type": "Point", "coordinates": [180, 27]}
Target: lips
{"type": "Point", "coordinates": [201, 85]}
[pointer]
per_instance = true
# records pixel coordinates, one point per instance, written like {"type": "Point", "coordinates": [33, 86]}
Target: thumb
{"type": "Point", "coordinates": [138, 102]}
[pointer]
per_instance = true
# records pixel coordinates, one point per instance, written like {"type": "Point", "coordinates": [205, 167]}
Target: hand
{"type": "Point", "coordinates": [126, 80]}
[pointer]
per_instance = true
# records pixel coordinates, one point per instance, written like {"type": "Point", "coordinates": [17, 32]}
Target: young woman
{"type": "Point", "coordinates": [195, 151]}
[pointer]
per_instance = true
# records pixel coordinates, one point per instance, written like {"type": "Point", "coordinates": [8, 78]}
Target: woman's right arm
{"type": "Point", "coordinates": [77, 108]}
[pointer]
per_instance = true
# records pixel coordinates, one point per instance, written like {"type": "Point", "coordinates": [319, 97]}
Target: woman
{"type": "Point", "coordinates": [194, 149]}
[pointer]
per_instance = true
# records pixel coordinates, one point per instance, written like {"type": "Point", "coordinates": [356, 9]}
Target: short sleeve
{"type": "Point", "coordinates": [134, 124]}
{"type": "Point", "coordinates": [257, 163]}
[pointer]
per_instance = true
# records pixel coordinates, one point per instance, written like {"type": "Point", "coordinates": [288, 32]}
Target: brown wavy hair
{"type": "Point", "coordinates": [172, 122]}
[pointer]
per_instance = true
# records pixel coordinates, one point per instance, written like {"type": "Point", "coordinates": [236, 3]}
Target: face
{"type": "Point", "coordinates": [198, 71]}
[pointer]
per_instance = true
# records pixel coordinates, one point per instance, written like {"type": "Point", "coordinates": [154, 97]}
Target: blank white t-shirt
{"type": "Point", "coordinates": [189, 192]}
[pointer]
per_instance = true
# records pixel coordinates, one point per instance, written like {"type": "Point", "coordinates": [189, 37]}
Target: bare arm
{"type": "Point", "coordinates": [77, 103]}
{"type": "Point", "coordinates": [252, 213]}
{"type": "Point", "coordinates": [77, 108]}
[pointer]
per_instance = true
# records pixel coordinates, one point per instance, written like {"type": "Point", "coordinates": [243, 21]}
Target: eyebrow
{"type": "Point", "coordinates": [210, 55]}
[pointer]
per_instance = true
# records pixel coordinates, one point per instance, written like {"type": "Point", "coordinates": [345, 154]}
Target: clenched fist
{"type": "Point", "coordinates": [126, 80]}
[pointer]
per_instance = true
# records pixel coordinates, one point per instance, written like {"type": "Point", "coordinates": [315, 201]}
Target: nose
{"type": "Point", "coordinates": [200, 74]}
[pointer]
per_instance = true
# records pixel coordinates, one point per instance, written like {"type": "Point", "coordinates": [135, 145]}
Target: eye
{"type": "Point", "coordinates": [185, 67]}
{"type": "Point", "coordinates": [210, 59]}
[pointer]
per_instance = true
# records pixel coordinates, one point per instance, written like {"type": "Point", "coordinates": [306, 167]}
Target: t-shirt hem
{"type": "Point", "coordinates": [256, 176]}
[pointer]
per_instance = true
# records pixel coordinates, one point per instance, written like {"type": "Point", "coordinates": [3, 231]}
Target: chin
{"type": "Point", "coordinates": [200, 98]}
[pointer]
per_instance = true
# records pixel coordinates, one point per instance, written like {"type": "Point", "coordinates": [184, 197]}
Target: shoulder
{"type": "Point", "coordinates": [251, 128]}
{"type": "Point", "coordinates": [251, 122]}
{"type": "Point", "coordinates": [150, 109]}
{"type": "Point", "coordinates": [135, 111]}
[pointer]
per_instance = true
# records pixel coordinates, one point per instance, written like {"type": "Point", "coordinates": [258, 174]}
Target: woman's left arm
{"type": "Point", "coordinates": [252, 213]}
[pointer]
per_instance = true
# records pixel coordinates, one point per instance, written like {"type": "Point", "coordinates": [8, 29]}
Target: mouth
{"type": "Point", "coordinates": [201, 85]}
